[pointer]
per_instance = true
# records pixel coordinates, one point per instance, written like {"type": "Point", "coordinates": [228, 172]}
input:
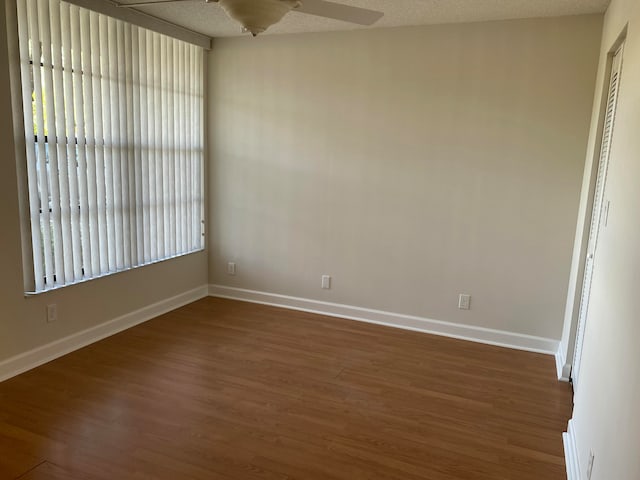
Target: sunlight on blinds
{"type": "Point", "coordinates": [113, 119]}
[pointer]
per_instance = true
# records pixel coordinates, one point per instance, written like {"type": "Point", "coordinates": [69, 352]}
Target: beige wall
{"type": "Point", "coordinates": [606, 418]}
{"type": "Point", "coordinates": [23, 323]}
{"type": "Point", "coordinates": [411, 164]}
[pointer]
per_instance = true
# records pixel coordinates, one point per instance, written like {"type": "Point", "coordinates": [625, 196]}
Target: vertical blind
{"type": "Point", "coordinates": [114, 142]}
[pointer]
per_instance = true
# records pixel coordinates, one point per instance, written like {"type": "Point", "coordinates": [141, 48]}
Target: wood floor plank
{"type": "Point", "coordinates": [221, 389]}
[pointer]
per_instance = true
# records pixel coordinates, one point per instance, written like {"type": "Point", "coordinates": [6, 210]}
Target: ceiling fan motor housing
{"type": "Point", "coordinates": [256, 16]}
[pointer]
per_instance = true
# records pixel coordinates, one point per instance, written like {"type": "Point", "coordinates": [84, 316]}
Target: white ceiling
{"type": "Point", "coordinates": [210, 20]}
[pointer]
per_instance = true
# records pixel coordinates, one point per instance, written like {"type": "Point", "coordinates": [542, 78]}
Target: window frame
{"type": "Point", "coordinates": [143, 21]}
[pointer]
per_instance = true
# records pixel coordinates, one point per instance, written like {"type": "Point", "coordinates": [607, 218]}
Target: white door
{"type": "Point", "coordinates": [600, 210]}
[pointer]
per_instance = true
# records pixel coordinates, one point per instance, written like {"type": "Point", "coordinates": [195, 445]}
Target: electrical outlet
{"type": "Point", "coordinates": [52, 313]}
{"type": "Point", "coordinates": [231, 268]}
{"type": "Point", "coordinates": [326, 282]}
{"type": "Point", "coordinates": [590, 465]}
{"type": "Point", "coordinates": [464, 301]}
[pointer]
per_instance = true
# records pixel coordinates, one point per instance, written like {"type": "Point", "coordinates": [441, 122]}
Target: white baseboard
{"type": "Point", "coordinates": [564, 370]}
{"type": "Point", "coordinates": [40, 355]}
{"type": "Point", "coordinates": [571, 453]}
{"type": "Point", "coordinates": [465, 332]}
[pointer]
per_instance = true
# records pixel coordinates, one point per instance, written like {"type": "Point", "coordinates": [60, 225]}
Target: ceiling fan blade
{"type": "Point", "coordinates": [338, 11]}
{"type": "Point", "coordinates": [159, 2]}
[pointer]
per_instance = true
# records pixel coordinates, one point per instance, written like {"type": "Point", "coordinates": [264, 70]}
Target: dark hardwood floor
{"type": "Point", "coordinates": [228, 390]}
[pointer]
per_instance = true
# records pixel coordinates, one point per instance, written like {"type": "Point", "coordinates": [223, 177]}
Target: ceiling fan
{"type": "Point", "coordinates": [256, 16]}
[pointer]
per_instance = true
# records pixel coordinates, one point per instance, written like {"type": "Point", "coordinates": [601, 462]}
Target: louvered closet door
{"type": "Point", "coordinates": [599, 211]}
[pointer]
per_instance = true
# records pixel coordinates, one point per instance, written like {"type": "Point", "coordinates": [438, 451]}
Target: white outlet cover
{"type": "Point", "coordinates": [52, 313]}
{"type": "Point", "coordinates": [326, 282]}
{"type": "Point", "coordinates": [231, 268]}
{"type": "Point", "coordinates": [464, 301]}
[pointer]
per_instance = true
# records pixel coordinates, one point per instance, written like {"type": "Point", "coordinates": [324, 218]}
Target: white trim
{"type": "Point", "coordinates": [408, 322]}
{"type": "Point", "coordinates": [28, 294]}
{"type": "Point", "coordinates": [26, 361]}
{"type": "Point", "coordinates": [564, 369]}
{"type": "Point", "coordinates": [145, 20]}
{"type": "Point", "coordinates": [571, 453]}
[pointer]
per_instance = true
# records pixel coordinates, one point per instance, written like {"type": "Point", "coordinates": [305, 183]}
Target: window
{"type": "Point", "coordinates": [114, 138]}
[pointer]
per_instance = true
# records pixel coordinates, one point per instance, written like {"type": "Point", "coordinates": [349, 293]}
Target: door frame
{"type": "Point", "coordinates": [581, 245]}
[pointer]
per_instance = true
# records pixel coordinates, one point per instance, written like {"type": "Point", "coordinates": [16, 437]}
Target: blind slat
{"type": "Point", "coordinates": [51, 131]}
{"type": "Point", "coordinates": [86, 78]}
{"type": "Point", "coordinates": [137, 197]}
{"type": "Point", "coordinates": [81, 140]}
{"type": "Point", "coordinates": [107, 106]}
{"type": "Point", "coordinates": [60, 136]}
{"type": "Point", "coordinates": [26, 67]}
{"type": "Point", "coordinates": [170, 149]}
{"type": "Point", "coordinates": [182, 134]}
{"type": "Point", "coordinates": [102, 249]}
{"type": "Point", "coordinates": [115, 54]}
{"type": "Point", "coordinates": [70, 140]}
{"type": "Point", "coordinates": [162, 129]}
{"type": "Point", "coordinates": [166, 193]}
{"type": "Point", "coordinates": [192, 154]}
{"type": "Point", "coordinates": [154, 122]}
{"type": "Point", "coordinates": [41, 154]}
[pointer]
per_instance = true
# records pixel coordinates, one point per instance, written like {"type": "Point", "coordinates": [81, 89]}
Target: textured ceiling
{"type": "Point", "coordinates": [210, 20]}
